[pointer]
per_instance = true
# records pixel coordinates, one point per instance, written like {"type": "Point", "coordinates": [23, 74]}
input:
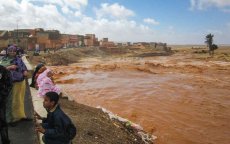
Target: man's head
{"type": "Point", "coordinates": [50, 100]}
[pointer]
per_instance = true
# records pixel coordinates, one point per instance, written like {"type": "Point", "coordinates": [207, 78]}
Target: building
{"type": "Point", "coordinates": [90, 40]}
{"type": "Point", "coordinates": [3, 39]}
{"type": "Point", "coordinates": [140, 45]}
{"type": "Point", "coordinates": [106, 43]}
{"type": "Point", "coordinates": [50, 39]}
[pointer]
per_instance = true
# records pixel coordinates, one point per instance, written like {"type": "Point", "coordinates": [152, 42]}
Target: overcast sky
{"type": "Point", "coordinates": [170, 21]}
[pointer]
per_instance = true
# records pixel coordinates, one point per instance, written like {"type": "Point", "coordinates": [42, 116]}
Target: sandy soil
{"type": "Point", "coordinates": [95, 127]}
{"type": "Point", "coordinates": [180, 98]}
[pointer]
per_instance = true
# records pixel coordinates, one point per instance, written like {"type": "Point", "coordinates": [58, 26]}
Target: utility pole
{"type": "Point", "coordinates": [17, 32]}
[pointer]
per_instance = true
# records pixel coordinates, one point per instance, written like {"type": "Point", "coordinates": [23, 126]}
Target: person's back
{"type": "Point", "coordinates": [58, 120]}
{"type": "Point", "coordinates": [5, 82]}
{"type": "Point", "coordinates": [5, 87]}
{"type": "Point", "coordinates": [57, 127]}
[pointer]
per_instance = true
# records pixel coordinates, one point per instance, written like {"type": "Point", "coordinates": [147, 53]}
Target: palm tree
{"type": "Point", "coordinates": [211, 46]}
{"type": "Point", "coordinates": [209, 41]}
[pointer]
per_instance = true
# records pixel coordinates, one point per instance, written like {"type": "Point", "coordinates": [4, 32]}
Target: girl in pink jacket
{"type": "Point", "coordinates": [46, 84]}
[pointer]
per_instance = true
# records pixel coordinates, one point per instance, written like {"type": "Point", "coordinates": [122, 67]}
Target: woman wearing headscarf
{"type": "Point", "coordinates": [18, 70]}
{"type": "Point", "coordinates": [40, 68]}
{"type": "Point", "coordinates": [46, 84]}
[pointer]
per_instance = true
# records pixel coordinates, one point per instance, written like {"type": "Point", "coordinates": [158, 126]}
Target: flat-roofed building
{"type": "Point", "coordinates": [90, 40]}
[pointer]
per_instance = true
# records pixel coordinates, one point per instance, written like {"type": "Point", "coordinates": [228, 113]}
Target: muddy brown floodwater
{"type": "Point", "coordinates": [176, 98]}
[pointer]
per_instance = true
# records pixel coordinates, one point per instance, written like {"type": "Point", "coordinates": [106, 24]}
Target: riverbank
{"type": "Point", "coordinates": [180, 98]}
{"type": "Point", "coordinates": [95, 126]}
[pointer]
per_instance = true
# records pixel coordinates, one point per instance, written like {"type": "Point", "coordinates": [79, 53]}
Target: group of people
{"type": "Point", "coordinates": [43, 81]}
{"type": "Point", "coordinates": [57, 127]}
{"type": "Point", "coordinates": [13, 88]}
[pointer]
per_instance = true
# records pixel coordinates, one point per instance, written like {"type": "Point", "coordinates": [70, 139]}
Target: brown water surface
{"type": "Point", "coordinates": [179, 100]}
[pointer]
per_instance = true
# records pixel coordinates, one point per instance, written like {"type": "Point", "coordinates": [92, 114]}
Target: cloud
{"type": "Point", "coordinates": [151, 21]}
{"type": "Point", "coordinates": [66, 10]}
{"type": "Point", "coordinates": [114, 10]}
{"type": "Point", "coordinates": [204, 4]}
{"type": "Point", "coordinates": [78, 14]}
{"type": "Point", "coordinates": [47, 16]}
{"type": "Point", "coordinates": [74, 4]}
{"type": "Point", "coordinates": [58, 15]}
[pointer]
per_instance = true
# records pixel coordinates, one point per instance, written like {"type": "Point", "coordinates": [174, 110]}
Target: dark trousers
{"type": "Point", "coordinates": [3, 124]}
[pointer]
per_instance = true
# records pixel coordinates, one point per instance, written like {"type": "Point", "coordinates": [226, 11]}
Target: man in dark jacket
{"type": "Point", "coordinates": [5, 88]}
{"type": "Point", "coordinates": [54, 127]}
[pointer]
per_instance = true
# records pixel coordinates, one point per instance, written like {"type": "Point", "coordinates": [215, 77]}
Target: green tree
{"type": "Point", "coordinates": [211, 46]}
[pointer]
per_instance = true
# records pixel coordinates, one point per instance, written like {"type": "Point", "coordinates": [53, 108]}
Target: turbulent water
{"type": "Point", "coordinates": [180, 101]}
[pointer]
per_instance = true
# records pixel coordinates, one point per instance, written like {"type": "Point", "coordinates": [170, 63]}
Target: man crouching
{"type": "Point", "coordinates": [57, 127]}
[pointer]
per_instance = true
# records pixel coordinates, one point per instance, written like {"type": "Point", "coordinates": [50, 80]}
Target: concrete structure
{"type": "Point", "coordinates": [3, 39]}
{"type": "Point", "coordinates": [73, 41]}
{"type": "Point", "coordinates": [81, 40]}
{"type": "Point", "coordinates": [126, 44]}
{"type": "Point", "coordinates": [50, 39]}
{"type": "Point", "coordinates": [91, 40]}
{"type": "Point", "coordinates": [68, 40]}
{"type": "Point", "coordinates": [106, 43]}
{"type": "Point", "coordinates": [140, 45]}
{"type": "Point", "coordinates": [19, 37]}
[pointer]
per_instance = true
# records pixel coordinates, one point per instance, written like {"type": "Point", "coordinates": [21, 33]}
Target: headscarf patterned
{"type": "Point", "coordinates": [11, 49]}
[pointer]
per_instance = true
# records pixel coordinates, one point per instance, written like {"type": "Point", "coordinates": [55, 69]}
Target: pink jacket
{"type": "Point", "coordinates": [45, 84]}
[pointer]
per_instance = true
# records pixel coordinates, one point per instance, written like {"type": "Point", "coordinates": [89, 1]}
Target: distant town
{"type": "Point", "coordinates": [29, 39]}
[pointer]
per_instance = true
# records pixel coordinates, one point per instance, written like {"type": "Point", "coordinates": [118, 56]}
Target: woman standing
{"type": "Point", "coordinates": [18, 70]}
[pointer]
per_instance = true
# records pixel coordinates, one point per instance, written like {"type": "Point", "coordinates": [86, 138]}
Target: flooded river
{"type": "Point", "coordinates": [179, 100]}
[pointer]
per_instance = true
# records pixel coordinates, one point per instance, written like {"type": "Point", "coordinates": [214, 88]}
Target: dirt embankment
{"type": "Point", "coordinates": [66, 56]}
{"type": "Point", "coordinates": [73, 55]}
{"type": "Point", "coordinates": [95, 127]}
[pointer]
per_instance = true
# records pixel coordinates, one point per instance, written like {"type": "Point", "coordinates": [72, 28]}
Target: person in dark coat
{"type": "Point", "coordinates": [54, 126]}
{"type": "Point", "coordinates": [5, 88]}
